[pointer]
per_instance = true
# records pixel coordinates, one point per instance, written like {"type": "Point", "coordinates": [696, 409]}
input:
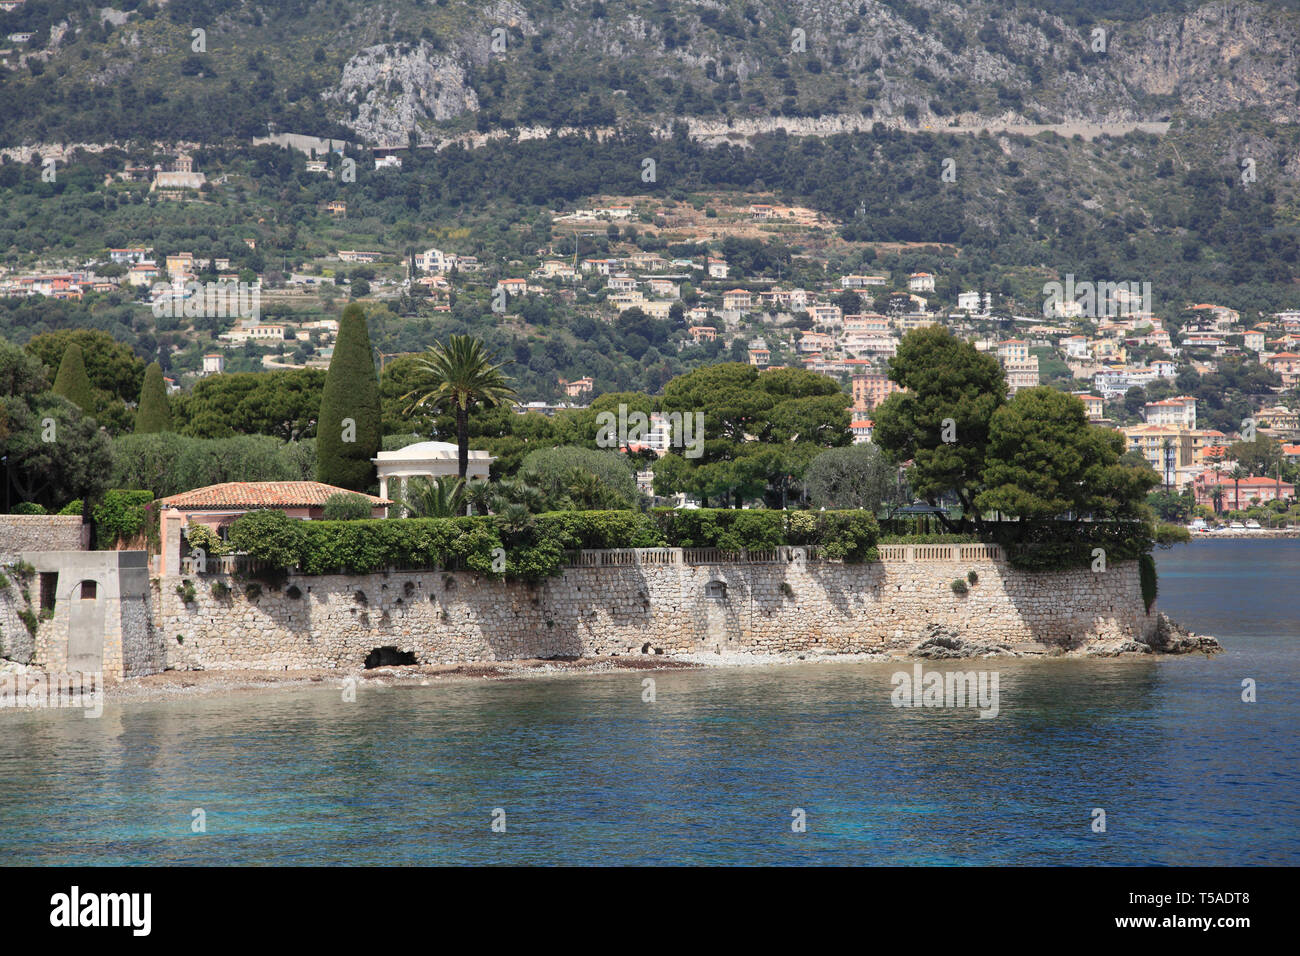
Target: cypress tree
{"type": "Point", "coordinates": [154, 413]}
{"type": "Point", "coordinates": [72, 382]}
{"type": "Point", "coordinates": [351, 392]}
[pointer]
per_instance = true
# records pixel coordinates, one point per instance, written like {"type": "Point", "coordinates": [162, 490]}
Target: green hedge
{"type": "Point", "coordinates": [1057, 545]}
{"type": "Point", "coordinates": [533, 547]}
{"type": "Point", "coordinates": [121, 516]}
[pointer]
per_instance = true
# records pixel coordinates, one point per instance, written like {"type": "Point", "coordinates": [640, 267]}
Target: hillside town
{"type": "Point", "coordinates": [1104, 345]}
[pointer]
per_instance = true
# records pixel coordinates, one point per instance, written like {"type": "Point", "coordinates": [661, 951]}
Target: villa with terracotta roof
{"type": "Point", "coordinates": [217, 506]}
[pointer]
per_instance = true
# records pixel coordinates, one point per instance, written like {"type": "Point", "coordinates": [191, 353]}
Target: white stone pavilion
{"type": "Point", "coordinates": [427, 459]}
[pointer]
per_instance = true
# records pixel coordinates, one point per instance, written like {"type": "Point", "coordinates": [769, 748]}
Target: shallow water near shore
{"type": "Point", "coordinates": [586, 771]}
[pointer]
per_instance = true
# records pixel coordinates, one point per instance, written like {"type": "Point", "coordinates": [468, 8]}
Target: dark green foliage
{"type": "Point", "coordinates": [1045, 459]}
{"type": "Point", "coordinates": [1168, 535]}
{"type": "Point", "coordinates": [346, 506]}
{"type": "Point", "coordinates": [121, 516]}
{"type": "Point", "coordinates": [606, 473]}
{"type": "Point", "coordinates": [1053, 545]}
{"type": "Point", "coordinates": [959, 587]}
{"type": "Point", "coordinates": [55, 453]}
{"type": "Point", "coordinates": [154, 413]}
{"type": "Point", "coordinates": [1147, 577]}
{"type": "Point", "coordinates": [349, 409]}
{"type": "Point", "coordinates": [72, 382]}
{"type": "Point", "coordinates": [269, 535]}
{"type": "Point", "coordinates": [534, 545]}
{"type": "Point", "coordinates": [942, 421]}
{"type": "Point", "coordinates": [283, 403]}
{"type": "Point", "coordinates": [110, 365]}
{"type": "Point", "coordinates": [167, 463]}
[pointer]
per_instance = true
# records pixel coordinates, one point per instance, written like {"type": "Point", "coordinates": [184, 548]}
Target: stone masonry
{"type": "Point", "coordinates": [335, 621]}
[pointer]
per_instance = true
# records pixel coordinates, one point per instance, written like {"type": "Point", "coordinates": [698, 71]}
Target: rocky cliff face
{"type": "Point", "coordinates": [390, 92]}
{"type": "Point", "coordinates": [936, 64]}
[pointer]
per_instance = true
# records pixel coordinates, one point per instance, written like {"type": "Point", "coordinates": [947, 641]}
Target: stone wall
{"type": "Point", "coordinates": [335, 621]}
{"type": "Point", "coordinates": [101, 619]}
{"type": "Point", "coordinates": [20, 533]}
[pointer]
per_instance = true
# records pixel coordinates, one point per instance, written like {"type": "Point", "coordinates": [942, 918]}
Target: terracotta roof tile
{"type": "Point", "coordinates": [259, 494]}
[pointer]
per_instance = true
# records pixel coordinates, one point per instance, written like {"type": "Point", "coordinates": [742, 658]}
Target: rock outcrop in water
{"type": "Point", "coordinates": [938, 642]}
{"type": "Point", "coordinates": [1172, 638]}
{"type": "Point", "coordinates": [942, 643]}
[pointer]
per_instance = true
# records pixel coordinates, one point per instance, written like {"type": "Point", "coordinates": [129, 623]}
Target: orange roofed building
{"type": "Point", "coordinates": [217, 506]}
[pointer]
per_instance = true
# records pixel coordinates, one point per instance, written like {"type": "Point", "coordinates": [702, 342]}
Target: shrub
{"type": "Point", "coordinates": [1147, 577]}
{"type": "Point", "coordinates": [1168, 534]}
{"type": "Point", "coordinates": [185, 590]}
{"type": "Point", "coordinates": [201, 536]}
{"type": "Point", "coordinates": [72, 507]}
{"type": "Point", "coordinates": [848, 535]}
{"type": "Point", "coordinates": [574, 530]}
{"type": "Point", "coordinates": [959, 588]}
{"type": "Point", "coordinates": [28, 508]}
{"type": "Point", "coordinates": [972, 577]}
{"type": "Point", "coordinates": [121, 516]}
{"type": "Point", "coordinates": [220, 590]}
{"type": "Point", "coordinates": [269, 535]}
{"type": "Point", "coordinates": [346, 506]}
{"type": "Point", "coordinates": [754, 531]}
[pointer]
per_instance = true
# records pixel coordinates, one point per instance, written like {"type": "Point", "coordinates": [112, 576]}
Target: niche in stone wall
{"type": "Point", "coordinates": [716, 590]}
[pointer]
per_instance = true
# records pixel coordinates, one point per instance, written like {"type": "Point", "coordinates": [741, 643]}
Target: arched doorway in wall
{"type": "Point", "coordinates": [86, 617]}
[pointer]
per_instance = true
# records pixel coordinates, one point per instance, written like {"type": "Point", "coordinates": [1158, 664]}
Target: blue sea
{"type": "Point", "coordinates": [803, 764]}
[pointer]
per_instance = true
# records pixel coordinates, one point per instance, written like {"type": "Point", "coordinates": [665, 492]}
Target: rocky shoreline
{"type": "Point", "coordinates": [934, 643]}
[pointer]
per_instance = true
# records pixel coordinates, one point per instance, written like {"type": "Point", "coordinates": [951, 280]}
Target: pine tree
{"type": "Point", "coordinates": [154, 413]}
{"type": "Point", "coordinates": [349, 429]}
{"type": "Point", "coordinates": [72, 382]}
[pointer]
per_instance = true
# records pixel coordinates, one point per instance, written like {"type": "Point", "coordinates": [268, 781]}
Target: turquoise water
{"type": "Point", "coordinates": [587, 772]}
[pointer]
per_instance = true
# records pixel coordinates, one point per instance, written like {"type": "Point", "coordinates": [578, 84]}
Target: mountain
{"type": "Point", "coordinates": [387, 72]}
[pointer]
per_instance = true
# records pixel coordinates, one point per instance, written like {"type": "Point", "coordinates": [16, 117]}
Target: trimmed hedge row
{"type": "Point", "coordinates": [1056, 545]}
{"type": "Point", "coordinates": [534, 547]}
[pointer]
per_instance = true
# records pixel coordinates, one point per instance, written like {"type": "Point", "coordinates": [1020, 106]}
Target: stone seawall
{"type": "Point", "coordinates": [335, 621]}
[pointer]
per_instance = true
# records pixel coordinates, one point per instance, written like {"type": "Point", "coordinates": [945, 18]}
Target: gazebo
{"type": "Point", "coordinates": [919, 510]}
{"type": "Point", "coordinates": [427, 459]}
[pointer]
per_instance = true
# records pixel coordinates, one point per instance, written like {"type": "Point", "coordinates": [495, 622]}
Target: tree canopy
{"type": "Point", "coordinates": [350, 423]}
{"type": "Point", "coordinates": [154, 413]}
{"type": "Point", "coordinates": [941, 422]}
{"type": "Point", "coordinates": [1045, 460]}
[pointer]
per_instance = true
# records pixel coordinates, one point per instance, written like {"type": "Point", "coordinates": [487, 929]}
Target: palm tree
{"type": "Point", "coordinates": [479, 495]}
{"type": "Point", "coordinates": [1216, 496]}
{"type": "Point", "coordinates": [1236, 475]}
{"type": "Point", "coordinates": [584, 488]}
{"type": "Point", "coordinates": [443, 498]}
{"type": "Point", "coordinates": [459, 376]}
